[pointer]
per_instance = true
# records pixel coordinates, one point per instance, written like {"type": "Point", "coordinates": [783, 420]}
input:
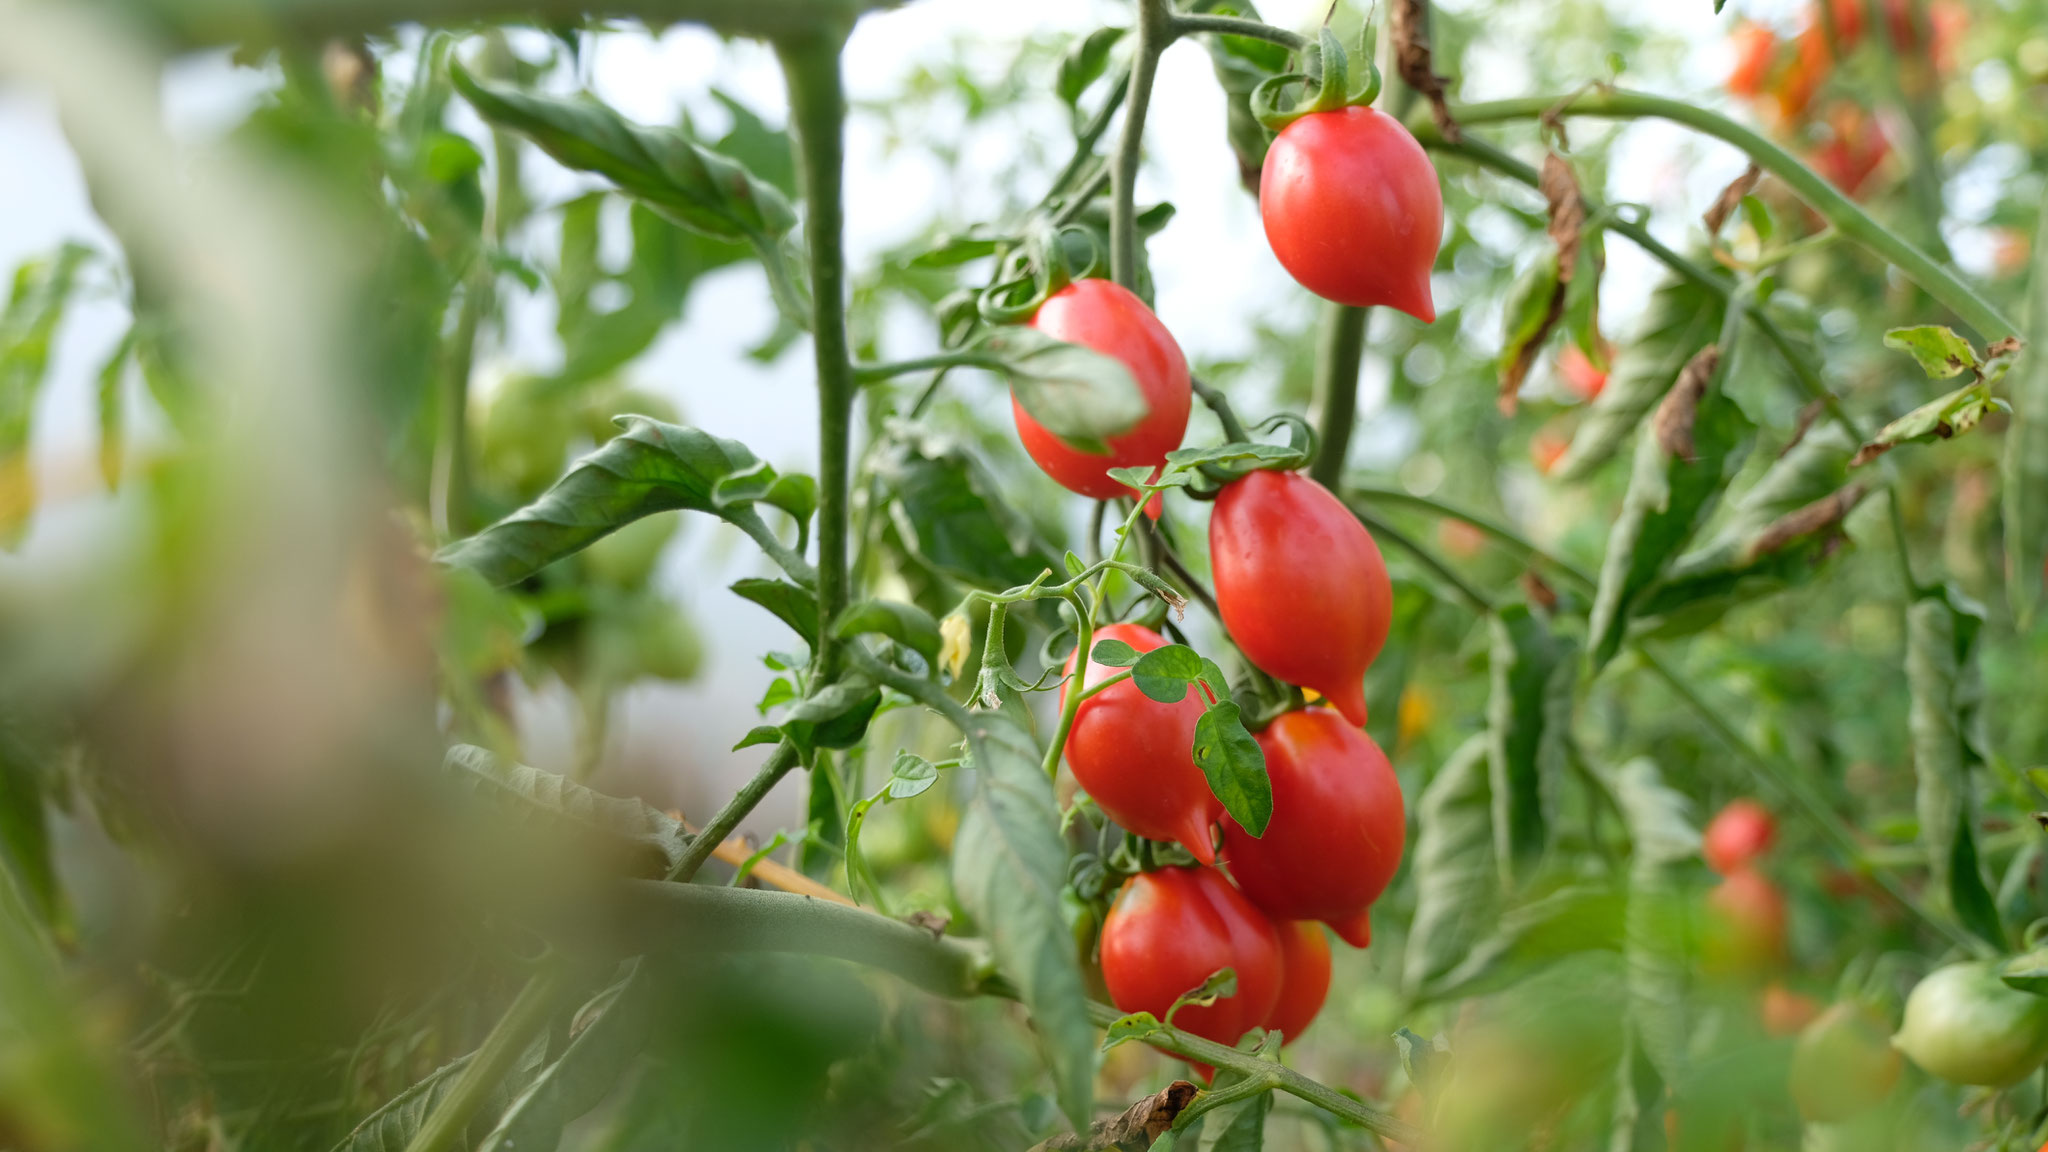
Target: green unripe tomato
{"type": "Point", "coordinates": [1964, 1025]}
{"type": "Point", "coordinates": [1842, 1066]}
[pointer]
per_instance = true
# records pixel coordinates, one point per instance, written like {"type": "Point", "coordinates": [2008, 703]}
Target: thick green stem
{"type": "Point", "coordinates": [1339, 350]}
{"type": "Point", "coordinates": [707, 840]}
{"type": "Point", "coordinates": [1239, 26]}
{"type": "Point", "coordinates": [1154, 32]}
{"type": "Point", "coordinates": [514, 1032]}
{"type": "Point", "coordinates": [1085, 141]}
{"type": "Point", "coordinates": [1084, 636]}
{"type": "Point", "coordinates": [1844, 214]}
{"type": "Point", "coordinates": [817, 111]}
{"type": "Point", "coordinates": [449, 495]}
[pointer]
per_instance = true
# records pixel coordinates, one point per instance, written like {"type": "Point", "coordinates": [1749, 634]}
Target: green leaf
{"type": "Point", "coordinates": [1164, 673]}
{"type": "Point", "coordinates": [392, 1127]}
{"type": "Point", "coordinates": [759, 734]}
{"type": "Point", "coordinates": [1077, 393]}
{"type": "Point", "coordinates": [1386, 681]}
{"type": "Point", "coordinates": [533, 794]}
{"type": "Point", "coordinates": [1238, 1126]}
{"type": "Point", "coordinates": [1947, 694]}
{"type": "Point", "coordinates": [792, 605]}
{"type": "Point", "coordinates": [906, 624]}
{"type": "Point", "coordinates": [2027, 972]}
{"type": "Point", "coordinates": [911, 775]}
{"type": "Point", "coordinates": [1084, 64]}
{"type": "Point", "coordinates": [1234, 765]}
{"type": "Point", "coordinates": [1113, 654]}
{"type": "Point", "coordinates": [1529, 717]}
{"type": "Point", "coordinates": [650, 467]}
{"type": "Point", "coordinates": [823, 845]}
{"type": "Point", "coordinates": [1669, 498]}
{"type": "Point", "coordinates": [1009, 867]}
{"type": "Point", "coordinates": [113, 411]}
{"type": "Point", "coordinates": [1660, 827]}
{"type": "Point", "coordinates": [1682, 318]}
{"type": "Point", "coordinates": [1525, 937]}
{"type": "Point", "coordinates": [1282, 457]}
{"type": "Point", "coordinates": [1534, 305]}
{"type": "Point", "coordinates": [1456, 881]}
{"type": "Point", "coordinates": [835, 716]}
{"type": "Point", "coordinates": [1136, 1026]}
{"type": "Point", "coordinates": [1218, 985]}
{"type": "Point", "coordinates": [948, 518]}
{"type": "Point", "coordinates": [617, 1025]}
{"type": "Point", "coordinates": [28, 329]}
{"type": "Point", "coordinates": [2025, 475]}
{"type": "Point", "coordinates": [1938, 419]}
{"type": "Point", "coordinates": [27, 781]}
{"type": "Point", "coordinates": [1939, 351]}
{"type": "Point", "coordinates": [1425, 1062]}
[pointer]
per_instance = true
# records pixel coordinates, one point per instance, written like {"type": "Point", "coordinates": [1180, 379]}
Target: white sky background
{"type": "Point", "coordinates": [1212, 267]}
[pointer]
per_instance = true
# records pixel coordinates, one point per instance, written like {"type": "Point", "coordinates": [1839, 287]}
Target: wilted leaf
{"type": "Point", "coordinates": [1942, 676]}
{"type": "Point", "coordinates": [1658, 941]}
{"type": "Point", "coordinates": [1682, 317]}
{"type": "Point", "coordinates": [1938, 419]}
{"type": "Point", "coordinates": [1730, 198]}
{"type": "Point", "coordinates": [1408, 27]}
{"type": "Point", "coordinates": [1939, 351]}
{"type": "Point", "coordinates": [1456, 881]}
{"type": "Point", "coordinates": [1679, 409]}
{"type": "Point", "coordinates": [1529, 718]}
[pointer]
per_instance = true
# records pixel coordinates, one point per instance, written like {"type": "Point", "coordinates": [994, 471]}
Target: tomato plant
{"type": "Point", "coordinates": [1171, 930]}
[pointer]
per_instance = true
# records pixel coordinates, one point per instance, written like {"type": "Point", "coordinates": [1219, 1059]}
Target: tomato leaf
{"type": "Point", "coordinates": [1084, 64]}
{"type": "Point", "coordinates": [534, 793]}
{"type": "Point", "coordinates": [1683, 316]}
{"type": "Point", "coordinates": [906, 624]}
{"type": "Point", "coordinates": [1939, 351]}
{"type": "Point", "coordinates": [759, 734]}
{"type": "Point", "coordinates": [28, 329]}
{"type": "Point", "coordinates": [836, 716]}
{"type": "Point", "coordinates": [1285, 457]}
{"type": "Point", "coordinates": [1660, 827]}
{"type": "Point", "coordinates": [1113, 654]}
{"type": "Point", "coordinates": [1944, 721]}
{"type": "Point", "coordinates": [947, 520]}
{"type": "Point", "coordinates": [1529, 717]}
{"type": "Point", "coordinates": [1575, 919]}
{"type": "Point", "coordinates": [1219, 984]}
{"type": "Point", "coordinates": [792, 605]}
{"type": "Point", "coordinates": [1235, 766]}
{"type": "Point", "coordinates": [650, 467]}
{"type": "Point", "coordinates": [1077, 393]}
{"type": "Point", "coordinates": [1009, 867]}
{"type": "Point", "coordinates": [29, 782]}
{"type": "Point", "coordinates": [1938, 419]}
{"type": "Point", "coordinates": [617, 1025]}
{"type": "Point", "coordinates": [1165, 672]}
{"type": "Point", "coordinates": [1456, 881]}
{"type": "Point", "coordinates": [1236, 1126]}
{"type": "Point", "coordinates": [1669, 497]}
{"type": "Point", "coordinates": [911, 775]}
{"type": "Point", "coordinates": [1136, 1026]}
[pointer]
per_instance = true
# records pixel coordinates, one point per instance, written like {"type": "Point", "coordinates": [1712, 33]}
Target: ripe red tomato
{"type": "Point", "coordinates": [1172, 929]}
{"type": "Point", "coordinates": [1843, 1065]}
{"type": "Point", "coordinates": [1353, 211]}
{"type": "Point", "coordinates": [1738, 836]}
{"type": "Point", "coordinates": [1785, 1012]}
{"type": "Point", "coordinates": [1132, 753]}
{"type": "Point", "coordinates": [1337, 830]}
{"type": "Point", "coordinates": [1812, 60]}
{"type": "Point", "coordinates": [1300, 584]}
{"type": "Point", "coordinates": [1304, 977]}
{"type": "Point", "coordinates": [1854, 147]}
{"type": "Point", "coordinates": [1585, 378]}
{"type": "Point", "coordinates": [1106, 317]}
{"type": "Point", "coordinates": [1755, 46]}
{"type": "Point", "coordinates": [1746, 925]}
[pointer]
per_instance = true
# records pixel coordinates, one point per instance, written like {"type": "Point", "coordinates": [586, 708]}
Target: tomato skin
{"type": "Point", "coordinates": [1738, 836]}
{"type": "Point", "coordinates": [1585, 378]}
{"type": "Point", "coordinates": [1842, 1066]}
{"type": "Point", "coordinates": [1304, 977]}
{"type": "Point", "coordinates": [1746, 924]}
{"type": "Point", "coordinates": [1353, 211]}
{"type": "Point", "coordinates": [1964, 1025]}
{"type": "Point", "coordinates": [1300, 584]}
{"type": "Point", "coordinates": [1337, 831]}
{"type": "Point", "coordinates": [1172, 929]}
{"type": "Point", "coordinates": [1111, 320]}
{"type": "Point", "coordinates": [1784, 1012]}
{"type": "Point", "coordinates": [1755, 45]}
{"type": "Point", "coordinates": [1133, 754]}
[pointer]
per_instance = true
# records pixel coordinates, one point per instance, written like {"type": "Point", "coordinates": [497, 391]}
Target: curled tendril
{"type": "Point", "coordinates": [1301, 435]}
{"type": "Point", "coordinates": [1332, 80]}
{"type": "Point", "coordinates": [1047, 263]}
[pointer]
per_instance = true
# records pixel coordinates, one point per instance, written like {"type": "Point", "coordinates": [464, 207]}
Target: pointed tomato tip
{"type": "Point", "coordinates": [1349, 702]}
{"type": "Point", "coordinates": [1196, 838]}
{"type": "Point", "coordinates": [1422, 306]}
{"type": "Point", "coordinates": [1356, 931]}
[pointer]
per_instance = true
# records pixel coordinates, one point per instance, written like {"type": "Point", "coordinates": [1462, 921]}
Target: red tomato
{"type": "Point", "coordinates": [1746, 925]}
{"type": "Point", "coordinates": [1300, 584]}
{"type": "Point", "coordinates": [1738, 836]}
{"type": "Point", "coordinates": [1174, 928]}
{"type": "Point", "coordinates": [1585, 378]}
{"type": "Point", "coordinates": [1785, 1012]}
{"type": "Point", "coordinates": [1854, 147]}
{"type": "Point", "coordinates": [1547, 447]}
{"type": "Point", "coordinates": [1353, 211]}
{"type": "Point", "coordinates": [1108, 318]}
{"type": "Point", "coordinates": [1849, 21]}
{"type": "Point", "coordinates": [1337, 830]}
{"type": "Point", "coordinates": [1304, 977]}
{"type": "Point", "coordinates": [1811, 63]}
{"type": "Point", "coordinates": [1132, 754]}
{"type": "Point", "coordinates": [1755, 47]}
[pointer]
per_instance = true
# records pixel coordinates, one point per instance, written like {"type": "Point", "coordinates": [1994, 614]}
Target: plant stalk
{"type": "Point", "coordinates": [1154, 32]}
{"type": "Point", "coordinates": [706, 841]}
{"type": "Point", "coordinates": [1340, 349]}
{"type": "Point", "coordinates": [529, 1013]}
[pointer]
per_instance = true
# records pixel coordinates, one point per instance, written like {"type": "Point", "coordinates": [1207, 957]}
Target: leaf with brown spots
{"type": "Point", "coordinates": [1131, 1131]}
{"type": "Point", "coordinates": [1408, 24]}
{"type": "Point", "coordinates": [1676, 413]}
{"type": "Point", "coordinates": [1730, 199]}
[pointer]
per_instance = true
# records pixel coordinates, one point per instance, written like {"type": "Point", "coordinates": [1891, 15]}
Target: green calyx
{"type": "Point", "coordinates": [1331, 77]}
{"type": "Point", "coordinates": [1050, 259]}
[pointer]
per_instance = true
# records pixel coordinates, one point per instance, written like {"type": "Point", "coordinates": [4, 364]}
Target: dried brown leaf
{"type": "Point", "coordinates": [1807, 416]}
{"type": "Point", "coordinates": [1560, 188]}
{"type": "Point", "coordinates": [1818, 516]}
{"type": "Point", "coordinates": [1408, 24]}
{"type": "Point", "coordinates": [1730, 199]}
{"type": "Point", "coordinates": [1680, 406]}
{"type": "Point", "coordinates": [1134, 1130]}
{"type": "Point", "coordinates": [1539, 591]}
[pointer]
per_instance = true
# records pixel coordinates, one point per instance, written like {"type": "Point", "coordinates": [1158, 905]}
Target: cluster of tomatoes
{"type": "Point", "coordinates": [1352, 209]}
{"type": "Point", "coordinates": [1782, 79]}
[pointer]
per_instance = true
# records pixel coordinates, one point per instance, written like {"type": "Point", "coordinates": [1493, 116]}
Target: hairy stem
{"type": "Point", "coordinates": [1154, 31]}
{"type": "Point", "coordinates": [1340, 348]}
{"type": "Point", "coordinates": [1844, 214]}
{"type": "Point", "coordinates": [705, 842]}
{"type": "Point", "coordinates": [817, 111]}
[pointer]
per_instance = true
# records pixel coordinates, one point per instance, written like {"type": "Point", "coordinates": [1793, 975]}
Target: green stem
{"type": "Point", "coordinates": [1385, 531]}
{"type": "Point", "coordinates": [1089, 136]}
{"type": "Point", "coordinates": [1491, 528]}
{"type": "Point", "coordinates": [1233, 428]}
{"type": "Point", "coordinates": [1084, 635]}
{"type": "Point", "coordinates": [1154, 32]}
{"type": "Point", "coordinates": [1191, 23]}
{"type": "Point", "coordinates": [450, 485]}
{"type": "Point", "coordinates": [1844, 214]}
{"type": "Point", "coordinates": [871, 373]}
{"type": "Point", "coordinates": [1111, 682]}
{"type": "Point", "coordinates": [508, 1040]}
{"type": "Point", "coordinates": [923, 691]}
{"type": "Point", "coordinates": [786, 558]}
{"type": "Point", "coordinates": [817, 112]}
{"type": "Point", "coordinates": [1339, 350]}
{"type": "Point", "coordinates": [707, 840]}
{"type": "Point", "coordinates": [311, 21]}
